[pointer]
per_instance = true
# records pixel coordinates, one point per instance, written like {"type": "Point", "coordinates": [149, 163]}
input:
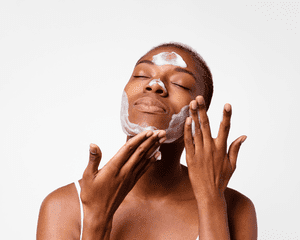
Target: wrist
{"type": "Point", "coordinates": [95, 229]}
{"type": "Point", "coordinates": [213, 219]}
{"type": "Point", "coordinates": [96, 226]}
{"type": "Point", "coordinates": [211, 198]}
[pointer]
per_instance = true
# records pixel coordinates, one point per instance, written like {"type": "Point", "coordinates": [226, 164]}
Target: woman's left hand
{"type": "Point", "coordinates": [210, 166]}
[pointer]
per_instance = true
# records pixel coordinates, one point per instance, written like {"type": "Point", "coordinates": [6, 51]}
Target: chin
{"type": "Point", "coordinates": [159, 121]}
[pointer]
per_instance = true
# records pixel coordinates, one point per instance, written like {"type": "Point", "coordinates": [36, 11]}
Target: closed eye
{"type": "Point", "coordinates": [181, 86]}
{"type": "Point", "coordinates": [140, 76]}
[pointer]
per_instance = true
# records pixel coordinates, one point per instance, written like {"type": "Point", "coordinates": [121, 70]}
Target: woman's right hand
{"type": "Point", "coordinates": [102, 191]}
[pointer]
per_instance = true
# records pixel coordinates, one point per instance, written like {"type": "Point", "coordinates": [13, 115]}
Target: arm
{"type": "Point", "coordinates": [102, 191]}
{"type": "Point", "coordinates": [210, 168]}
{"type": "Point", "coordinates": [241, 216]}
{"type": "Point", "coordinates": [58, 215]}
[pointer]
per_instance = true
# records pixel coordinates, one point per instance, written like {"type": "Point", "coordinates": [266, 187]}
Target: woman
{"type": "Point", "coordinates": [136, 195]}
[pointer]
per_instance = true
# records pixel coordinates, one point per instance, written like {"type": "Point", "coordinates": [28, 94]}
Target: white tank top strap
{"type": "Point", "coordinates": [81, 208]}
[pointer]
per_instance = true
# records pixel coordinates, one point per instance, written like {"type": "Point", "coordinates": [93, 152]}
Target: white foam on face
{"type": "Point", "coordinates": [129, 128]}
{"type": "Point", "coordinates": [173, 132]}
{"type": "Point", "coordinates": [159, 82]}
{"type": "Point", "coordinates": [172, 58]}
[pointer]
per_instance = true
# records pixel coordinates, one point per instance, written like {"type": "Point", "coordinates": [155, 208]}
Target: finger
{"type": "Point", "coordinates": [224, 126]}
{"type": "Point", "coordinates": [139, 172]}
{"type": "Point", "coordinates": [142, 168]}
{"type": "Point", "coordinates": [94, 160]}
{"type": "Point", "coordinates": [128, 149]}
{"type": "Point", "coordinates": [198, 138]}
{"type": "Point", "coordinates": [138, 156]}
{"type": "Point", "coordinates": [234, 150]}
{"type": "Point", "coordinates": [188, 138]}
{"type": "Point", "coordinates": [204, 121]}
{"type": "Point", "coordinates": [153, 149]}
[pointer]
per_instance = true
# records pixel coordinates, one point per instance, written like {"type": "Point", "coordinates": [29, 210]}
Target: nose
{"type": "Point", "coordinates": [156, 86]}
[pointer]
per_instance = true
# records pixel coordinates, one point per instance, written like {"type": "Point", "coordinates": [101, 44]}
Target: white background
{"type": "Point", "coordinates": [63, 67]}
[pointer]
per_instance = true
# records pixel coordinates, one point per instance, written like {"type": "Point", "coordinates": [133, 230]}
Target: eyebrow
{"type": "Point", "coordinates": [145, 61]}
{"type": "Point", "coordinates": [178, 69]}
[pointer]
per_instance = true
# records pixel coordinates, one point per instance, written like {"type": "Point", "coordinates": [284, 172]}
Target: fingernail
{"type": "Point", "coordinates": [243, 139]}
{"type": "Point", "coordinates": [200, 100]}
{"type": "Point", "coordinates": [158, 155]}
{"type": "Point", "coordinates": [155, 134]}
{"type": "Point", "coordinates": [188, 120]}
{"type": "Point", "coordinates": [194, 105]}
{"type": "Point", "coordinates": [92, 150]}
{"type": "Point", "coordinates": [227, 107]}
{"type": "Point", "coordinates": [149, 134]}
{"type": "Point", "coordinates": [161, 134]}
{"type": "Point", "coordinates": [162, 140]}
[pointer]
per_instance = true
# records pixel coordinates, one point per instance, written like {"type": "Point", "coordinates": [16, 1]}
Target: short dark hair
{"type": "Point", "coordinates": [201, 67]}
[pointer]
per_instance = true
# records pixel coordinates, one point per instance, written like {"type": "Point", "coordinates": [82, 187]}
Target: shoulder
{"type": "Point", "coordinates": [238, 203]}
{"type": "Point", "coordinates": [59, 216]}
{"type": "Point", "coordinates": [234, 198]}
{"type": "Point", "coordinates": [241, 215]}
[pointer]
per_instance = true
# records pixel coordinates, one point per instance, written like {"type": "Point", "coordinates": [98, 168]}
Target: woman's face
{"type": "Point", "coordinates": [162, 83]}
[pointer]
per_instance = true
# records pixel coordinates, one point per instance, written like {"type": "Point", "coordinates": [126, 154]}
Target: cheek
{"type": "Point", "coordinates": [181, 100]}
{"type": "Point", "coordinates": [133, 88]}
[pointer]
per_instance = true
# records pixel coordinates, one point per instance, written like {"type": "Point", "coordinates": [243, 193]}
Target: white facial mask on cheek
{"type": "Point", "coordinates": [173, 132]}
{"type": "Point", "coordinates": [172, 58]}
{"type": "Point", "coordinates": [129, 128]}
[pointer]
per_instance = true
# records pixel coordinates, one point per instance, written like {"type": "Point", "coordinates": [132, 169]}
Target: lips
{"type": "Point", "coordinates": [149, 105]}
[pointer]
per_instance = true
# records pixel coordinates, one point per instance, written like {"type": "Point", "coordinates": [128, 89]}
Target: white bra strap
{"type": "Point", "coordinates": [81, 208]}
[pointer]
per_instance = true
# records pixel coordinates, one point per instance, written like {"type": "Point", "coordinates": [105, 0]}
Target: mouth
{"type": "Point", "coordinates": [149, 105]}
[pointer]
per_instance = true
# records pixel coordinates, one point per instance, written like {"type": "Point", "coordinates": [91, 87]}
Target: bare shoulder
{"type": "Point", "coordinates": [235, 198]}
{"type": "Point", "coordinates": [59, 216]}
{"type": "Point", "coordinates": [241, 215]}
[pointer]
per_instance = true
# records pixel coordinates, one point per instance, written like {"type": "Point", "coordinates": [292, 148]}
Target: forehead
{"type": "Point", "coordinates": [170, 55]}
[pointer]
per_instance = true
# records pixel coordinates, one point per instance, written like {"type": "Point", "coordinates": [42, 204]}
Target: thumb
{"type": "Point", "coordinates": [234, 150]}
{"type": "Point", "coordinates": [94, 160]}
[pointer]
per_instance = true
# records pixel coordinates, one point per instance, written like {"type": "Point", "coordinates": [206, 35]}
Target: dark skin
{"type": "Point", "coordinates": [136, 197]}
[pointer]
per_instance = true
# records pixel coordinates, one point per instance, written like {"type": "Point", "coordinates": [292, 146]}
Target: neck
{"type": "Point", "coordinates": [166, 176]}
